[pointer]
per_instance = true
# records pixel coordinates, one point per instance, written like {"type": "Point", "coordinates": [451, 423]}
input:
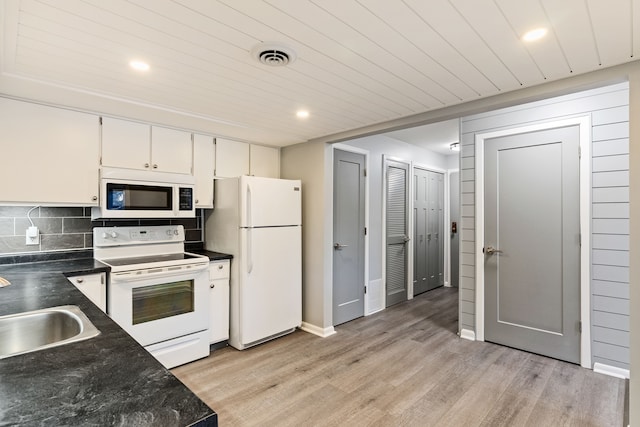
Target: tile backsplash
{"type": "Point", "coordinates": [70, 228]}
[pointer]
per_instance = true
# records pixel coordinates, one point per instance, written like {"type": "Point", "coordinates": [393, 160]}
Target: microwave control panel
{"type": "Point", "coordinates": [186, 198]}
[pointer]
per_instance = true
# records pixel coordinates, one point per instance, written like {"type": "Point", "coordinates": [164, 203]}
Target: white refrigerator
{"type": "Point", "coordinates": [258, 221]}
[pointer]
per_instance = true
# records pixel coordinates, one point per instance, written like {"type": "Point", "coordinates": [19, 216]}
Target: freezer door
{"type": "Point", "coordinates": [267, 202]}
{"type": "Point", "coordinates": [271, 282]}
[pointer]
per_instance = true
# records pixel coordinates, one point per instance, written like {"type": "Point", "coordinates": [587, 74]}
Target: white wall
{"type": "Point", "coordinates": [453, 161]}
{"type": "Point", "coordinates": [307, 162]}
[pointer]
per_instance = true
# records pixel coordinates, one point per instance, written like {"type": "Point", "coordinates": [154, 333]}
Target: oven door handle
{"type": "Point", "coordinates": [121, 277]}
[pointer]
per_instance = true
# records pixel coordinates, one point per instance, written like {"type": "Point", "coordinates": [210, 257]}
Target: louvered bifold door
{"type": "Point", "coordinates": [397, 233]}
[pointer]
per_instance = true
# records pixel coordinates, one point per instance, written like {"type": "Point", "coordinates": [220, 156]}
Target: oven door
{"type": "Point", "coordinates": [160, 304]}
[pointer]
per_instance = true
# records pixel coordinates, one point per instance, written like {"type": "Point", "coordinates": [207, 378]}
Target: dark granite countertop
{"type": "Point", "coordinates": [69, 267]}
{"type": "Point", "coordinates": [213, 256]}
{"type": "Point", "coordinates": [104, 381]}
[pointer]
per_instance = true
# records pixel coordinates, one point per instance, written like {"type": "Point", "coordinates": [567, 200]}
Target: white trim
{"type": "Point", "coordinates": [349, 148]}
{"type": "Point", "coordinates": [612, 371]}
{"type": "Point", "coordinates": [317, 330]}
{"type": "Point", "coordinates": [467, 334]}
{"type": "Point", "coordinates": [584, 123]}
{"type": "Point", "coordinates": [447, 228]}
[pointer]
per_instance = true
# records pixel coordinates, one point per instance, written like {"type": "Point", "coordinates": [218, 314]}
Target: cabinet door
{"type": "Point", "coordinates": [126, 144]}
{"type": "Point", "coordinates": [219, 301]}
{"type": "Point", "coordinates": [93, 286]}
{"type": "Point", "coordinates": [232, 158]}
{"type": "Point", "coordinates": [264, 161]}
{"type": "Point", "coordinates": [49, 155]}
{"type": "Point", "coordinates": [171, 150]}
{"type": "Point", "coordinates": [203, 164]}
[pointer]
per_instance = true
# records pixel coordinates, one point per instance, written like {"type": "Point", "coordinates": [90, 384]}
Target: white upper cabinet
{"type": "Point", "coordinates": [203, 164]}
{"type": "Point", "coordinates": [264, 161]}
{"type": "Point", "coordinates": [140, 146]}
{"type": "Point", "coordinates": [49, 155]}
{"type": "Point", "coordinates": [232, 158]}
{"type": "Point", "coordinates": [235, 158]}
{"type": "Point", "coordinates": [171, 150]}
{"type": "Point", "coordinates": [126, 144]}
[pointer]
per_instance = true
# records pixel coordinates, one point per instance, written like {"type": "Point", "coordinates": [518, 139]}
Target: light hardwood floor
{"type": "Point", "coordinates": [404, 366]}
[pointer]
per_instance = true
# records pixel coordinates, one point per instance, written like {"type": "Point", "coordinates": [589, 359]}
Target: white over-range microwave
{"type": "Point", "coordinates": [128, 193]}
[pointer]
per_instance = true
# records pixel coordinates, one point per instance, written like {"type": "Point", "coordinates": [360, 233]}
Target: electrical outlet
{"type": "Point", "coordinates": [32, 236]}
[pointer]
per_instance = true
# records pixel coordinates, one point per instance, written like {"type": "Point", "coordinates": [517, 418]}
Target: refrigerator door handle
{"type": "Point", "coordinates": [248, 206]}
{"type": "Point", "coordinates": [249, 252]}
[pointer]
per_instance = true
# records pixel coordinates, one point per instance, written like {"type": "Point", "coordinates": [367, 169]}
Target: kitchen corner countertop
{"type": "Point", "coordinates": [213, 256]}
{"type": "Point", "coordinates": [108, 380]}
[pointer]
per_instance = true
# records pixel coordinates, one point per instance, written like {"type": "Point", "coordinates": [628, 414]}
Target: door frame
{"type": "Point", "coordinates": [351, 149]}
{"type": "Point", "coordinates": [584, 123]}
{"type": "Point", "coordinates": [447, 226]}
{"type": "Point", "coordinates": [446, 267]}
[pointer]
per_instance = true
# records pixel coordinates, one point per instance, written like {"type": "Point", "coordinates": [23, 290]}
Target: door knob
{"type": "Point", "coordinates": [338, 246]}
{"type": "Point", "coordinates": [491, 250]}
{"type": "Point", "coordinates": [406, 238]}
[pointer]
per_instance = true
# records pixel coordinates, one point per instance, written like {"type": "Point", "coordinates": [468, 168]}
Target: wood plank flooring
{"type": "Point", "coordinates": [404, 366]}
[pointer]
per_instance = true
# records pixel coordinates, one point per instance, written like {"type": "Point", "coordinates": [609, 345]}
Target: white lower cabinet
{"type": "Point", "coordinates": [219, 301]}
{"type": "Point", "coordinates": [94, 287]}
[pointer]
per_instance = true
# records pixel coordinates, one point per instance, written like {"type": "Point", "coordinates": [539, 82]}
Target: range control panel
{"type": "Point", "coordinates": [121, 236]}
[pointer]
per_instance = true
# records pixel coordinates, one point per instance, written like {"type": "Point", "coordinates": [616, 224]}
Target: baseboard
{"type": "Point", "coordinates": [612, 371]}
{"type": "Point", "coordinates": [317, 330]}
{"type": "Point", "coordinates": [468, 334]}
{"type": "Point", "coordinates": [374, 312]}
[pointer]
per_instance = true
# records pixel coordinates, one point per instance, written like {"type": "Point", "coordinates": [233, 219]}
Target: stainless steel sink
{"type": "Point", "coordinates": [40, 329]}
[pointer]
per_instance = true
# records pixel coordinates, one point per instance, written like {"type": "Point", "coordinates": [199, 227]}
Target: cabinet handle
{"type": "Point", "coordinates": [197, 201]}
{"type": "Point", "coordinates": [212, 286]}
{"type": "Point", "coordinates": [220, 267]}
{"type": "Point", "coordinates": [80, 280]}
{"type": "Point", "coordinates": [146, 165]}
{"type": "Point", "coordinates": [94, 198]}
{"type": "Point", "coordinates": [155, 166]}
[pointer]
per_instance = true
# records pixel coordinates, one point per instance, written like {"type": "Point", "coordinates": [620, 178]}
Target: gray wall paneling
{"type": "Point", "coordinates": [609, 111]}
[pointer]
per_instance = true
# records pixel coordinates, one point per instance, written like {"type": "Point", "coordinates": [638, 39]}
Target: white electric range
{"type": "Point", "coordinates": [156, 291]}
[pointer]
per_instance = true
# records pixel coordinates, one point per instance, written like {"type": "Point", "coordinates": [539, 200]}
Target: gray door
{"type": "Point", "coordinates": [454, 214]}
{"type": "Point", "coordinates": [428, 218]}
{"type": "Point", "coordinates": [532, 249]}
{"type": "Point", "coordinates": [397, 193]}
{"type": "Point", "coordinates": [348, 236]}
{"type": "Point", "coordinates": [435, 222]}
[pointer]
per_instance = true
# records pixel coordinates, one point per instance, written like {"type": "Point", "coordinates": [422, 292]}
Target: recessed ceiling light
{"type": "Point", "coordinates": [139, 65]}
{"type": "Point", "coordinates": [302, 114]}
{"type": "Point", "coordinates": [534, 35]}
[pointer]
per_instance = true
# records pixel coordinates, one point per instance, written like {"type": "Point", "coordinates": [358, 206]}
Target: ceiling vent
{"type": "Point", "coordinates": [273, 55]}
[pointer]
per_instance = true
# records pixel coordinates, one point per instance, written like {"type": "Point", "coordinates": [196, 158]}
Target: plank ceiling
{"type": "Point", "coordinates": [359, 62]}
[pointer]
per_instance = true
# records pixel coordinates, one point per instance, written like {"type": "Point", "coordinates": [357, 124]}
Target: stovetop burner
{"type": "Point", "coordinates": [142, 247]}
